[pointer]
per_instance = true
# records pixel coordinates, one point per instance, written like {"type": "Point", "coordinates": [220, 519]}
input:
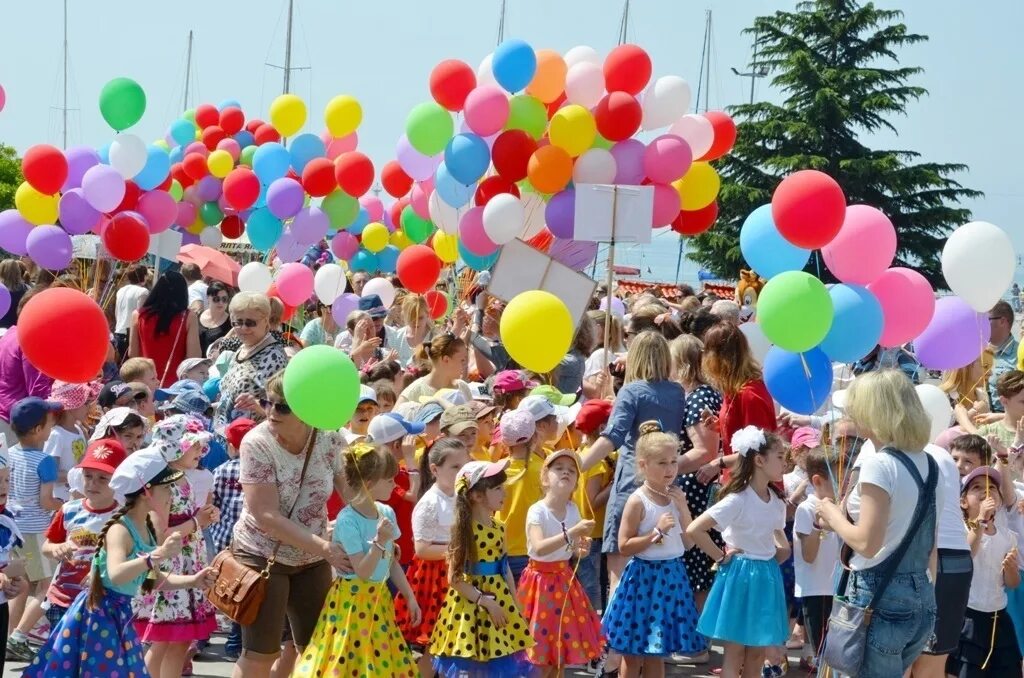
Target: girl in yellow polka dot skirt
{"type": "Point", "coordinates": [480, 631]}
{"type": "Point", "coordinates": [356, 634]}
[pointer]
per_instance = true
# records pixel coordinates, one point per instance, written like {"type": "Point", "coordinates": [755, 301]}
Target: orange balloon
{"type": "Point", "coordinates": [549, 169]}
{"type": "Point", "coordinates": [549, 79]}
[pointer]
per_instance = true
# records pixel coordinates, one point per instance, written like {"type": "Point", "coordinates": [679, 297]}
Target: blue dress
{"type": "Point", "coordinates": [99, 642]}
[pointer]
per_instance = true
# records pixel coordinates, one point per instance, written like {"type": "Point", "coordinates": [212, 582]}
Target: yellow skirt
{"type": "Point", "coordinates": [466, 631]}
{"type": "Point", "coordinates": [356, 635]}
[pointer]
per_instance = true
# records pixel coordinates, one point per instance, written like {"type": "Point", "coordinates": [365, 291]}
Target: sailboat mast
{"type": "Point", "coordinates": [64, 106]}
{"type": "Point", "coordinates": [188, 71]}
{"type": "Point", "coordinates": [501, 23]}
{"type": "Point", "coordinates": [288, 49]}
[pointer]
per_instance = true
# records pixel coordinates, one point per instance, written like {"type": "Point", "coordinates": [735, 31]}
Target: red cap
{"type": "Point", "coordinates": [236, 430]}
{"type": "Point", "coordinates": [103, 455]}
{"type": "Point", "coordinates": [593, 415]}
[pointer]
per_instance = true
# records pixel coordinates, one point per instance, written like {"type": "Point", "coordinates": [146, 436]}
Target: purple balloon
{"type": "Point", "coordinates": [77, 216]}
{"type": "Point", "coordinates": [208, 189]}
{"type": "Point", "coordinates": [5, 299]}
{"type": "Point", "coordinates": [954, 338]}
{"type": "Point", "coordinates": [289, 249]}
{"type": "Point", "coordinates": [13, 232]}
{"type": "Point", "coordinates": [50, 247]}
{"type": "Point", "coordinates": [560, 214]}
{"type": "Point", "coordinates": [159, 210]}
{"type": "Point", "coordinates": [344, 245]}
{"type": "Point", "coordinates": [310, 225]}
{"type": "Point", "coordinates": [190, 239]}
{"type": "Point", "coordinates": [285, 197]}
{"type": "Point", "coordinates": [343, 305]}
{"type": "Point", "coordinates": [629, 161]}
{"type": "Point", "coordinates": [574, 254]}
{"type": "Point", "coordinates": [418, 166]}
{"type": "Point", "coordinates": [80, 159]}
{"type": "Point", "coordinates": [103, 187]}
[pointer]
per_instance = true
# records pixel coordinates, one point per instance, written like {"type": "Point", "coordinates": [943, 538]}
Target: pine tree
{"type": "Point", "coordinates": [10, 176]}
{"type": "Point", "coordinates": [827, 58]}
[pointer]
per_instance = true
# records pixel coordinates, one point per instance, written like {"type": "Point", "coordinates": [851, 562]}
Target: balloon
{"type": "Point", "coordinates": [80, 159]}
{"type": "Point", "coordinates": [699, 186]}
{"type": "Point", "coordinates": [343, 115]}
{"type": "Point", "coordinates": [954, 338]}
{"type": "Point", "coordinates": [446, 247]}
{"type": "Point", "coordinates": [374, 207]}
{"type": "Point", "coordinates": [207, 115]}
{"type": "Point", "coordinates": [666, 205]}
{"type": "Point", "coordinates": [549, 169]}
{"type": "Point", "coordinates": [50, 247]}
{"type": "Point", "coordinates": [472, 235]}
{"type": "Point", "coordinates": [288, 115]}
{"type": "Point", "coordinates": [207, 189]}
{"type": "Point", "coordinates": [487, 110]}
{"type": "Point", "coordinates": [451, 81]}
{"type": "Point", "coordinates": [263, 229]}
{"type": "Point", "coordinates": [764, 248]}
{"type": "Point", "coordinates": [36, 207]}
{"type": "Point", "coordinates": [573, 129]}
{"type": "Point", "coordinates": [344, 305]}
{"type": "Point", "coordinates": [475, 261]}
{"type": "Point", "coordinates": [908, 304]}
{"type": "Point", "coordinates": [310, 225]}
{"type": "Point", "coordinates": [210, 214]}
{"type": "Point", "coordinates": [801, 383]}
{"type": "Point", "coordinates": [514, 64]}
{"type": "Point", "coordinates": [211, 237]}
{"type": "Point", "coordinates": [418, 268]}
{"type": "Point", "coordinates": [492, 186]}
{"type": "Point", "coordinates": [437, 304]}
{"type": "Point", "coordinates": [159, 209]}
{"type": "Point", "coordinates": [629, 161]}
{"type": "Point", "coordinates": [529, 316]}
{"type": "Point", "coordinates": [285, 198]}
{"type": "Point", "coordinates": [527, 113]}
{"type": "Point", "coordinates": [336, 147]}
{"type": "Point", "coordinates": [363, 261]}
{"type": "Point", "coordinates": [271, 161]}
{"type": "Point", "coordinates": [75, 357]}
{"type": "Point", "coordinates": [360, 222]}
{"type": "Point", "coordinates": [194, 165]}
{"type": "Point", "coordinates": [560, 214]}
{"type": "Point", "coordinates": [232, 226]}
{"type": "Point", "coordinates": [795, 311]}
{"type": "Point", "coordinates": [294, 283]}
{"type": "Point", "coordinates": [45, 168]}
{"type": "Point", "coordinates": [582, 54]}
{"type": "Point", "coordinates": [618, 116]}
{"type": "Point", "coordinates": [14, 230]}
{"type": "Point", "coordinates": [318, 177]}
{"type": "Point", "coordinates": [503, 218]}
{"type": "Point", "coordinates": [484, 73]}
{"type": "Point", "coordinates": [322, 387]}
{"type": "Point", "coordinates": [188, 212]}
{"type": "Point", "coordinates": [183, 131]}
{"type": "Point", "coordinates": [394, 179]}
{"type": "Point", "coordinates": [511, 154]}
{"type": "Point", "coordinates": [596, 166]}
{"type": "Point", "coordinates": [978, 262]}
{"type": "Point", "coordinates": [936, 404]}
{"type": "Point", "coordinates": [697, 131]}
{"type": "Point", "coordinates": [627, 68]}
{"type": "Point", "coordinates": [231, 119]}
{"type": "Point", "coordinates": [304, 148]}
{"type": "Point", "coordinates": [383, 288]}
{"type": "Point", "coordinates": [665, 100]}
{"type": "Point", "coordinates": [241, 188]}
{"type": "Point", "coordinates": [466, 158]}
{"type": "Point", "coordinates": [341, 208]}
{"type": "Point", "coordinates": [584, 84]}
{"type": "Point", "coordinates": [428, 128]}
{"type": "Point", "coordinates": [5, 299]}
{"type": "Point", "coordinates": [856, 323]}
{"type": "Point", "coordinates": [695, 222]}
{"type": "Point", "coordinates": [400, 240]}
{"type": "Point", "coordinates": [417, 228]}
{"type": "Point", "coordinates": [575, 255]}
{"type": "Point", "coordinates": [344, 245]}
{"type": "Point", "coordinates": [450, 189]}
{"type": "Point", "coordinates": [156, 170]}
{"type": "Point", "coordinates": [667, 158]}
{"type": "Point", "coordinates": [759, 344]}
{"type": "Point", "coordinates": [220, 163]}
{"type": "Point", "coordinates": [863, 248]}
{"type": "Point", "coordinates": [375, 237]}
{"type": "Point", "coordinates": [255, 277]}
{"type": "Point", "coordinates": [417, 165]}
{"type": "Point", "coordinates": [77, 216]}
{"type": "Point", "coordinates": [328, 283]}
{"type": "Point", "coordinates": [725, 135]}
{"type": "Point", "coordinates": [808, 208]}
{"type": "Point", "coordinates": [548, 81]}
{"type": "Point", "coordinates": [3, 98]}
{"type": "Point", "coordinates": [122, 103]}
{"type": "Point", "coordinates": [212, 136]}
{"type": "Point", "coordinates": [126, 236]}
{"type": "Point", "coordinates": [443, 215]}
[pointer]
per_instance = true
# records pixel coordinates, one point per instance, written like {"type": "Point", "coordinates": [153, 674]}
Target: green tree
{"type": "Point", "coordinates": [827, 57]}
{"type": "Point", "coordinates": [10, 176]}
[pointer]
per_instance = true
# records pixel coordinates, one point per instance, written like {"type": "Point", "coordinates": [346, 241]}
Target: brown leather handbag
{"type": "Point", "coordinates": [239, 590]}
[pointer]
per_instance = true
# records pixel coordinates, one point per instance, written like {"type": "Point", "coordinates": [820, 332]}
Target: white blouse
{"type": "Point", "coordinates": [433, 517]}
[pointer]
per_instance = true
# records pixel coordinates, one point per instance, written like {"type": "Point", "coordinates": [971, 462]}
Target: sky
{"type": "Point", "coordinates": [382, 53]}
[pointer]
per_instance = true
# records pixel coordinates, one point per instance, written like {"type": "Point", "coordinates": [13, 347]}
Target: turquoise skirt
{"type": "Point", "coordinates": [746, 604]}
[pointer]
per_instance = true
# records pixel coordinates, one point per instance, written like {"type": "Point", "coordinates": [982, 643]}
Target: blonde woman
{"type": "Point", "coordinates": [965, 387]}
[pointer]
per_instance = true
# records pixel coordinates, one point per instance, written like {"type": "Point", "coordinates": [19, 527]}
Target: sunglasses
{"type": "Point", "coordinates": [245, 322]}
{"type": "Point", "coordinates": [279, 407]}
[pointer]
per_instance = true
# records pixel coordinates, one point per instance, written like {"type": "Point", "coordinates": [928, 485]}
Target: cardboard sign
{"type": "Point", "coordinates": [613, 213]}
{"type": "Point", "coordinates": [165, 245]}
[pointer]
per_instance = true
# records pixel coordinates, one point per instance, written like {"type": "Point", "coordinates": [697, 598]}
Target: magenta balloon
{"type": "Point", "coordinates": [908, 304]}
{"type": "Point", "coordinates": [486, 110]}
{"type": "Point", "coordinates": [159, 209]}
{"type": "Point", "coordinates": [414, 163]}
{"type": "Point", "coordinates": [575, 255]}
{"type": "Point", "coordinates": [77, 216]}
{"type": "Point", "coordinates": [954, 338]}
{"type": "Point", "coordinates": [864, 247]}
{"type": "Point", "coordinates": [186, 214]}
{"type": "Point", "coordinates": [629, 161]}
{"type": "Point", "coordinates": [80, 159]}
{"type": "Point", "coordinates": [231, 146]}
{"type": "Point", "coordinates": [666, 205]}
{"type": "Point", "coordinates": [336, 147]}
{"type": "Point", "coordinates": [667, 158]}
{"type": "Point", "coordinates": [289, 249]}
{"type": "Point", "coordinates": [190, 239]}
{"type": "Point", "coordinates": [343, 306]}
{"type": "Point", "coordinates": [560, 214]}
{"type": "Point", "coordinates": [208, 189]}
{"type": "Point", "coordinates": [374, 207]}
{"type": "Point", "coordinates": [13, 232]}
{"type": "Point", "coordinates": [50, 247]}
{"type": "Point", "coordinates": [420, 197]}
{"type": "Point", "coordinates": [344, 245]}
{"type": "Point", "coordinates": [310, 225]}
{"type": "Point", "coordinates": [285, 197]}
{"type": "Point", "coordinates": [472, 234]}
{"type": "Point", "coordinates": [103, 186]}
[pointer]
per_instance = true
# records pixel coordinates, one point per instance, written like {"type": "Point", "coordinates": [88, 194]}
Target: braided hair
{"type": "Point", "coordinates": [96, 589]}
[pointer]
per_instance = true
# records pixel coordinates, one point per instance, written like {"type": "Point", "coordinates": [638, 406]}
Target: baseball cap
{"type": "Point", "coordinates": [480, 410]}
{"type": "Point", "coordinates": [114, 417]}
{"type": "Point", "coordinates": [557, 454]}
{"type": "Point", "coordinates": [554, 396]}
{"type": "Point", "coordinates": [188, 402]}
{"type": "Point", "coordinates": [537, 407]}
{"type": "Point", "coordinates": [177, 388]}
{"type": "Point", "coordinates": [236, 430]}
{"type": "Point", "coordinates": [805, 436]}
{"type": "Point", "coordinates": [29, 412]}
{"type": "Point", "coordinates": [189, 364]}
{"type": "Point", "coordinates": [103, 455]}
{"type": "Point", "coordinates": [510, 381]}
{"type": "Point", "coordinates": [457, 419]}
{"type": "Point", "coordinates": [517, 427]}
{"type": "Point", "coordinates": [211, 387]}
{"type": "Point", "coordinates": [389, 427]}
{"type": "Point", "coordinates": [373, 306]}
{"type": "Point", "coordinates": [367, 394]}
{"type": "Point", "coordinates": [113, 391]}
{"type": "Point", "coordinates": [593, 415]}
{"type": "Point", "coordinates": [978, 473]}
{"type": "Point", "coordinates": [428, 412]}
{"type": "Point", "coordinates": [475, 471]}
{"type": "Point", "coordinates": [71, 396]}
{"type": "Point", "coordinates": [140, 471]}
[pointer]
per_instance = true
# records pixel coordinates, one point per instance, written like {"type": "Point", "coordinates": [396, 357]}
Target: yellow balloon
{"type": "Point", "coordinates": [343, 115]}
{"type": "Point", "coordinates": [573, 129]}
{"type": "Point", "coordinates": [375, 237]}
{"type": "Point", "coordinates": [446, 246]}
{"type": "Point", "coordinates": [288, 114]}
{"type": "Point", "coordinates": [220, 163]}
{"type": "Point", "coordinates": [400, 240]}
{"type": "Point", "coordinates": [36, 207]}
{"type": "Point", "coordinates": [160, 143]}
{"type": "Point", "coordinates": [699, 186]}
{"type": "Point", "coordinates": [196, 227]}
{"type": "Point", "coordinates": [536, 329]}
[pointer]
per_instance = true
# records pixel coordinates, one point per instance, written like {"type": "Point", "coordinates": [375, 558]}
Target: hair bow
{"type": "Point", "coordinates": [748, 438]}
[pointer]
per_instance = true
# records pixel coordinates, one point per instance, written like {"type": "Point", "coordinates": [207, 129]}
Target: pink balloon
{"type": "Point", "coordinates": [471, 231]}
{"type": "Point", "coordinates": [231, 146]}
{"type": "Point", "coordinates": [159, 209]}
{"type": "Point", "coordinates": [186, 214]}
{"type": "Point", "coordinates": [629, 161]}
{"type": "Point", "coordinates": [667, 158]}
{"type": "Point", "coordinates": [486, 110]}
{"type": "Point", "coordinates": [343, 145]}
{"type": "Point", "coordinates": [344, 245]}
{"type": "Point", "coordinates": [864, 247]}
{"type": "Point", "coordinates": [666, 205]}
{"type": "Point", "coordinates": [420, 198]}
{"type": "Point", "coordinates": [294, 283]}
{"type": "Point", "coordinates": [908, 304]}
{"type": "Point", "coordinates": [374, 207]}
{"type": "Point", "coordinates": [197, 147]}
{"type": "Point", "coordinates": [3, 98]}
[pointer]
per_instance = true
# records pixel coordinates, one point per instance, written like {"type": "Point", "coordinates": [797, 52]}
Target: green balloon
{"type": "Point", "coordinates": [416, 228]}
{"type": "Point", "coordinates": [321, 386]}
{"type": "Point", "coordinates": [601, 142]}
{"type": "Point", "coordinates": [175, 190]}
{"type": "Point", "coordinates": [189, 115]}
{"type": "Point", "coordinates": [245, 157]}
{"type": "Point", "coordinates": [528, 114]}
{"type": "Point", "coordinates": [122, 103]}
{"type": "Point", "coordinates": [341, 208]}
{"type": "Point", "coordinates": [210, 213]}
{"type": "Point", "coordinates": [795, 311]}
{"type": "Point", "coordinates": [429, 127]}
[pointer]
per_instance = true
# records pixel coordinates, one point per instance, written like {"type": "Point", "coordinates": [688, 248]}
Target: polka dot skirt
{"type": "Point", "coordinates": [562, 622]}
{"type": "Point", "coordinates": [429, 582]}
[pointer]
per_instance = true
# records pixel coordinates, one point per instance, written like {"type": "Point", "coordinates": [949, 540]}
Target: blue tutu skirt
{"type": "Point", "coordinates": [746, 605]}
{"type": "Point", "coordinates": [652, 610]}
{"type": "Point", "coordinates": [1015, 608]}
{"type": "Point", "coordinates": [99, 643]}
{"type": "Point", "coordinates": [512, 665]}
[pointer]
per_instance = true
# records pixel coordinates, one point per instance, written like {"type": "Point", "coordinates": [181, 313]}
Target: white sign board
{"type": "Point", "coordinates": [613, 213]}
{"type": "Point", "coordinates": [165, 245]}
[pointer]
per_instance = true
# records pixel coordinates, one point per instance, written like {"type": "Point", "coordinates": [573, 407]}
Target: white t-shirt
{"type": "Point", "coordinates": [748, 523]}
{"type": "Point", "coordinates": [197, 292]}
{"type": "Point", "coordinates": [433, 517]}
{"type": "Point", "coordinates": [792, 480]}
{"type": "Point", "coordinates": [813, 579]}
{"type": "Point", "coordinates": [128, 300]}
{"type": "Point", "coordinates": [541, 514]}
{"type": "Point", "coordinates": [952, 532]}
{"type": "Point", "coordinates": [69, 448]}
{"type": "Point", "coordinates": [988, 593]}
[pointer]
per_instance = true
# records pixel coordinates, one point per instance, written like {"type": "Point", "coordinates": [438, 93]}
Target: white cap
{"type": "Point", "coordinates": [138, 470]}
{"type": "Point", "coordinates": [537, 407]}
{"type": "Point", "coordinates": [475, 471]}
{"type": "Point", "coordinates": [367, 394]}
{"type": "Point", "coordinates": [389, 427]}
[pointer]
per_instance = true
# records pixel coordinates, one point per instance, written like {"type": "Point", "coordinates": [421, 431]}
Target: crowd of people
{"type": "Point", "coordinates": [642, 501]}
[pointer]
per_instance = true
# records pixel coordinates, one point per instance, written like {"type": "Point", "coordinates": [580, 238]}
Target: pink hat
{"type": "Point", "coordinates": [475, 471]}
{"type": "Point", "coordinates": [805, 436]}
{"type": "Point", "coordinates": [517, 427]}
{"type": "Point", "coordinates": [71, 396]}
{"type": "Point", "coordinates": [511, 381]}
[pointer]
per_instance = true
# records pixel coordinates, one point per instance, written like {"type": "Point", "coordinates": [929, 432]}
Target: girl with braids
{"type": "Point", "coordinates": [96, 639]}
{"type": "Point", "coordinates": [449, 361]}
{"type": "Point", "coordinates": [480, 630]}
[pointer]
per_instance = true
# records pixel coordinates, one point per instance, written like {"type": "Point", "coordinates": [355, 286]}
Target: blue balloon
{"type": "Point", "coordinates": [466, 157]}
{"type": "Point", "coordinates": [361, 221]}
{"type": "Point", "coordinates": [363, 261]}
{"type": "Point", "coordinates": [264, 229]}
{"type": "Point", "coordinates": [245, 138]}
{"type": "Point", "coordinates": [104, 153]}
{"type": "Point", "coordinates": [514, 64]}
{"type": "Point", "coordinates": [183, 131]}
{"type": "Point", "coordinates": [261, 199]}
{"type": "Point", "coordinates": [387, 259]}
{"type": "Point", "coordinates": [475, 261]}
{"type": "Point", "coordinates": [764, 248]}
{"type": "Point", "coordinates": [857, 322]}
{"type": "Point", "coordinates": [450, 189]}
{"type": "Point", "coordinates": [800, 382]}
{"type": "Point", "coordinates": [304, 148]}
{"type": "Point", "coordinates": [228, 103]}
{"type": "Point", "coordinates": [271, 161]}
{"type": "Point", "coordinates": [177, 154]}
{"type": "Point", "coordinates": [156, 169]}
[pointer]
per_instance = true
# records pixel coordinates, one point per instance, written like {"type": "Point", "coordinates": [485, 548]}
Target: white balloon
{"type": "Point", "coordinates": [504, 218]}
{"type": "Point", "coordinates": [596, 166]}
{"type": "Point", "coordinates": [484, 74]}
{"type": "Point", "coordinates": [383, 288]}
{"type": "Point", "coordinates": [936, 404]}
{"type": "Point", "coordinates": [697, 131]}
{"type": "Point", "coordinates": [582, 54]}
{"type": "Point", "coordinates": [533, 215]}
{"type": "Point", "coordinates": [255, 277]}
{"type": "Point", "coordinates": [211, 237]}
{"type": "Point", "coordinates": [128, 155]}
{"type": "Point", "coordinates": [584, 84]}
{"type": "Point", "coordinates": [444, 216]}
{"type": "Point", "coordinates": [328, 283]}
{"type": "Point", "coordinates": [759, 344]}
{"type": "Point", "coordinates": [665, 100]}
{"type": "Point", "coordinates": [978, 262]}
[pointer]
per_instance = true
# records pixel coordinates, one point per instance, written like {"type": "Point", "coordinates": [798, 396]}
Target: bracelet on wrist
{"type": "Point", "coordinates": [149, 561]}
{"type": "Point", "coordinates": [195, 521]}
{"type": "Point", "coordinates": [374, 543]}
{"type": "Point", "coordinates": [659, 535]}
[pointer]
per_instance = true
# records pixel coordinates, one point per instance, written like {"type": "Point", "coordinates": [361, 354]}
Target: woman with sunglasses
{"type": "Point", "coordinates": [164, 330]}
{"type": "Point", "coordinates": [214, 322]}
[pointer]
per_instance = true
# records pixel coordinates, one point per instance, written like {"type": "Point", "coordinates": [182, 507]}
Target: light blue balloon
{"type": "Point", "coordinates": [177, 154]}
{"type": "Point", "coordinates": [475, 261]}
{"type": "Point", "coordinates": [261, 199]}
{"type": "Point", "coordinates": [264, 229]}
{"type": "Point", "coordinates": [466, 157]}
{"type": "Point", "coordinates": [857, 323]}
{"type": "Point", "coordinates": [183, 131]}
{"type": "Point", "coordinates": [764, 248]}
{"type": "Point", "coordinates": [362, 220]}
{"type": "Point", "coordinates": [304, 148]}
{"type": "Point", "coordinates": [271, 161]}
{"type": "Point", "coordinates": [245, 138]}
{"type": "Point", "coordinates": [387, 259]}
{"type": "Point", "coordinates": [228, 103]}
{"type": "Point", "coordinates": [800, 382]}
{"type": "Point", "coordinates": [450, 189]}
{"type": "Point", "coordinates": [514, 64]}
{"type": "Point", "coordinates": [104, 153]}
{"type": "Point", "coordinates": [363, 261]}
{"type": "Point", "coordinates": [156, 169]}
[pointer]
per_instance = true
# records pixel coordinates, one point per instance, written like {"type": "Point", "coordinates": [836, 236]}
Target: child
{"type": "Point", "coordinates": [141, 370]}
{"type": "Point", "coordinates": [123, 425]}
{"type": "Point", "coordinates": [484, 415]}
{"type": "Point", "coordinates": [142, 400]}
{"type": "Point", "coordinates": [366, 410]}
{"type": "Point", "coordinates": [459, 421]}
{"type": "Point", "coordinates": [386, 396]}
{"type": "Point", "coordinates": [12, 571]}
{"type": "Point", "coordinates": [67, 439]}
{"type": "Point", "coordinates": [193, 369]}
{"type": "Point", "coordinates": [95, 638]}
{"type": "Point", "coordinates": [988, 645]}
{"type": "Point", "coordinates": [518, 433]}
{"type": "Point", "coordinates": [356, 631]}
{"type": "Point", "coordinates": [552, 599]}
{"type": "Point", "coordinates": [392, 433]}
{"type": "Point", "coordinates": [592, 498]}
{"type": "Point", "coordinates": [480, 631]}
{"type": "Point", "coordinates": [651, 613]}
{"type": "Point", "coordinates": [746, 608]}
{"type": "Point", "coordinates": [970, 451]}
{"type": "Point", "coordinates": [33, 481]}
{"type": "Point", "coordinates": [74, 533]}
{"type": "Point", "coordinates": [1010, 388]}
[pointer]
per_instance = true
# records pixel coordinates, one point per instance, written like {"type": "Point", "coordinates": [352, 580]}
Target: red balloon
{"type": "Point", "coordinates": [266, 133]}
{"type": "Point", "coordinates": [395, 211]}
{"type": "Point", "coordinates": [418, 268]}
{"type": "Point", "coordinates": [808, 208]}
{"type": "Point", "coordinates": [165, 185]}
{"type": "Point", "coordinates": [542, 241]}
{"type": "Point", "coordinates": [126, 237]}
{"type": "Point", "coordinates": [437, 304]}
{"type": "Point", "coordinates": [232, 226]}
{"type": "Point", "coordinates": [195, 167]}
{"type": "Point", "coordinates": [492, 186]}
{"type": "Point", "coordinates": [451, 81]}
{"type": "Point", "coordinates": [241, 188]}
{"type": "Point", "coordinates": [725, 135]}
{"type": "Point", "coordinates": [697, 221]}
{"type": "Point", "coordinates": [45, 168]}
{"type": "Point", "coordinates": [318, 177]}
{"type": "Point", "coordinates": [207, 115]}
{"type": "Point", "coordinates": [232, 119]}
{"type": "Point", "coordinates": [511, 154]}
{"type": "Point", "coordinates": [179, 174]}
{"type": "Point", "coordinates": [618, 116]}
{"type": "Point", "coordinates": [627, 69]}
{"type": "Point", "coordinates": [555, 105]}
{"type": "Point", "coordinates": [354, 172]}
{"type": "Point", "coordinates": [132, 193]}
{"type": "Point", "coordinates": [252, 125]}
{"type": "Point", "coordinates": [75, 357]}
{"type": "Point", "coordinates": [394, 179]}
{"type": "Point", "coordinates": [289, 311]}
{"type": "Point", "coordinates": [212, 136]}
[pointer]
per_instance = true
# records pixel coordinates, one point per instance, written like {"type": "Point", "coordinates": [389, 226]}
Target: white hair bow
{"type": "Point", "coordinates": [748, 438]}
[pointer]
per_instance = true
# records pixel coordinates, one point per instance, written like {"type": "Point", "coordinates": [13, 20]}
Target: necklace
{"type": "Point", "coordinates": [663, 495]}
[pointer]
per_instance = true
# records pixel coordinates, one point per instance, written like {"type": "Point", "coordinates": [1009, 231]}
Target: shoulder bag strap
{"type": "Point", "coordinates": [174, 346]}
{"type": "Point", "coordinates": [302, 478]}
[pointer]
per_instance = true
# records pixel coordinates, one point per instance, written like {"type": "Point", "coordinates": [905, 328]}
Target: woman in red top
{"type": "Point", "coordinates": [164, 330]}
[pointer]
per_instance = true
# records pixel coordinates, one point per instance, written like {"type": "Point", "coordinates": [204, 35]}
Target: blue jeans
{"type": "Point", "coordinates": [589, 574]}
{"type": "Point", "coordinates": [517, 564]}
{"type": "Point", "coordinates": [234, 640]}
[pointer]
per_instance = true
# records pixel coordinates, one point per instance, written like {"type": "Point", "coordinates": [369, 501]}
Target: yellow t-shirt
{"type": "Point", "coordinates": [522, 490]}
{"type": "Point", "coordinates": [480, 453]}
{"type": "Point", "coordinates": [604, 471]}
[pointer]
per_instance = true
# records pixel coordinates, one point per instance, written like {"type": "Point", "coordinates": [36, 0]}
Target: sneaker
{"type": "Point", "coordinates": [696, 660]}
{"type": "Point", "coordinates": [19, 651]}
{"type": "Point", "coordinates": [233, 653]}
{"type": "Point", "coordinates": [39, 634]}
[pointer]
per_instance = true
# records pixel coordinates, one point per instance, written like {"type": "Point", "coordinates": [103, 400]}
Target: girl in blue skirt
{"type": "Point", "coordinates": [746, 608]}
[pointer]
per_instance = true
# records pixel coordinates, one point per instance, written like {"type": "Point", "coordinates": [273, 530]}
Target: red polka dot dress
{"type": "Point", "coordinates": [432, 523]}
